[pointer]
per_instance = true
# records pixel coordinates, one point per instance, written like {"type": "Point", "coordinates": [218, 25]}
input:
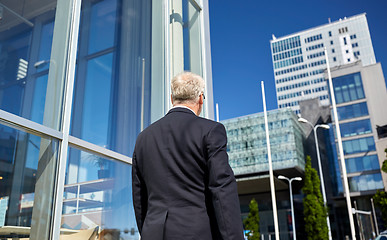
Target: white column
{"type": "Point", "coordinates": [341, 151]}
{"type": "Point", "coordinates": [272, 187]}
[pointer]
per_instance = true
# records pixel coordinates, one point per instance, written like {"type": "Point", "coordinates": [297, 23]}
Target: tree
{"type": "Point", "coordinates": [384, 166]}
{"type": "Point", "coordinates": [252, 222]}
{"type": "Point", "coordinates": [380, 198]}
{"type": "Point", "coordinates": [315, 213]}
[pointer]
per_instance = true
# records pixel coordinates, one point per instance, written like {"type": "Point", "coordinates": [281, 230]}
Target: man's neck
{"type": "Point", "coordinates": [191, 107]}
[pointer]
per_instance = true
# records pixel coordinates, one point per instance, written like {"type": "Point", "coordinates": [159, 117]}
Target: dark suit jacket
{"type": "Point", "coordinates": [183, 186]}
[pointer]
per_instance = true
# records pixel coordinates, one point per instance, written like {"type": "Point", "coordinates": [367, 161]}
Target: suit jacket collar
{"type": "Point", "coordinates": [181, 109]}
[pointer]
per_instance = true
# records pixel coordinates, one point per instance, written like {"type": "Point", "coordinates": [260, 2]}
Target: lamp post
{"type": "Point", "coordinates": [325, 126]}
{"type": "Point", "coordinates": [291, 200]}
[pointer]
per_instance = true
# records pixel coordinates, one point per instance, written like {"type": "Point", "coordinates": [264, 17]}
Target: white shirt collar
{"type": "Point", "coordinates": [182, 106]}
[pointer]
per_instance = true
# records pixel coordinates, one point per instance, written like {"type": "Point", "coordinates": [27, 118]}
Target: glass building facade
{"type": "Point", "coordinates": [358, 136]}
{"type": "Point", "coordinates": [79, 80]}
{"type": "Point", "coordinates": [247, 148]}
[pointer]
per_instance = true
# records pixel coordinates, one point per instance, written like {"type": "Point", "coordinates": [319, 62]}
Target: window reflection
{"type": "Point", "coordinates": [113, 63]}
{"type": "Point", "coordinates": [97, 192]}
{"type": "Point", "coordinates": [22, 45]}
{"type": "Point", "coordinates": [348, 88]}
{"type": "Point", "coordinates": [27, 166]}
{"type": "Point", "coordinates": [365, 163]}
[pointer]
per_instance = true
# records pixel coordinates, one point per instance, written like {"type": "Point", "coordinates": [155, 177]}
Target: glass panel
{"type": "Point", "coordinates": [112, 86]}
{"type": "Point", "coordinates": [355, 128]}
{"type": "Point", "coordinates": [365, 182]}
{"type": "Point", "coordinates": [25, 51]}
{"type": "Point", "coordinates": [27, 166]}
{"type": "Point", "coordinates": [348, 88]}
{"type": "Point", "coordinates": [359, 145]}
{"type": "Point", "coordinates": [352, 111]}
{"type": "Point", "coordinates": [250, 155]}
{"type": "Point", "coordinates": [98, 193]}
{"type": "Point", "coordinates": [192, 38]}
{"type": "Point", "coordinates": [365, 163]}
{"type": "Point", "coordinates": [102, 23]}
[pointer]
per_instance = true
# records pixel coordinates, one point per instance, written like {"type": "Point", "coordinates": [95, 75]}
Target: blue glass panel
{"type": "Point", "coordinates": [112, 63]}
{"type": "Point", "coordinates": [355, 128]}
{"type": "Point", "coordinates": [359, 145]}
{"type": "Point", "coordinates": [45, 44]}
{"type": "Point", "coordinates": [365, 163]}
{"type": "Point", "coordinates": [102, 23]}
{"type": "Point", "coordinates": [366, 182]}
{"type": "Point", "coordinates": [348, 88]}
{"type": "Point", "coordinates": [97, 192]}
{"type": "Point", "coordinates": [22, 88]}
{"type": "Point", "coordinates": [39, 99]}
{"type": "Point", "coordinates": [24, 160]}
{"type": "Point", "coordinates": [97, 100]}
{"type": "Point", "coordinates": [352, 111]}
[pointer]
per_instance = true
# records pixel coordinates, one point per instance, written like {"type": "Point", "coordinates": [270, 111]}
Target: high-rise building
{"type": "Point", "coordinates": [79, 79]}
{"type": "Point", "coordinates": [360, 93]}
{"type": "Point", "coordinates": [299, 58]}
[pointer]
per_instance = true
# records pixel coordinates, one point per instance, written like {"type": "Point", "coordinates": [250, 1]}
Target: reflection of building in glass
{"type": "Point", "coordinates": [299, 59]}
{"type": "Point", "coordinates": [78, 82]}
{"type": "Point", "coordinates": [248, 158]}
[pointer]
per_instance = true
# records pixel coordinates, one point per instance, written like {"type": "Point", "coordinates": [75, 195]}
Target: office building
{"type": "Point", "coordinates": [299, 58]}
{"type": "Point", "coordinates": [360, 94]}
{"type": "Point", "coordinates": [247, 150]}
{"type": "Point", "coordinates": [79, 79]}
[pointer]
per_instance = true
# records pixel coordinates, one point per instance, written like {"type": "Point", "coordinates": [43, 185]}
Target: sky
{"type": "Point", "coordinates": [241, 31]}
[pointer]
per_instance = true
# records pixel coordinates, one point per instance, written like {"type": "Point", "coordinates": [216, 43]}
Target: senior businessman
{"type": "Point", "coordinates": [183, 186]}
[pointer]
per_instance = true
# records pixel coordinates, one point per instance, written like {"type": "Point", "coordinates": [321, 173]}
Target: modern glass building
{"type": "Point", "coordinates": [359, 93]}
{"type": "Point", "coordinates": [247, 150]}
{"type": "Point", "coordinates": [79, 79]}
{"type": "Point", "coordinates": [299, 58]}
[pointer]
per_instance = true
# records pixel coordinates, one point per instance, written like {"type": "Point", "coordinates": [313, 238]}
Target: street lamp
{"type": "Point", "coordinates": [291, 200]}
{"type": "Point", "coordinates": [325, 126]}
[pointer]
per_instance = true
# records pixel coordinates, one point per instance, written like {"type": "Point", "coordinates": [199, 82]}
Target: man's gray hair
{"type": "Point", "coordinates": [186, 87]}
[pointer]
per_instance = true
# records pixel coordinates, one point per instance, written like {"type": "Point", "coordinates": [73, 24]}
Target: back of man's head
{"type": "Point", "coordinates": [186, 87]}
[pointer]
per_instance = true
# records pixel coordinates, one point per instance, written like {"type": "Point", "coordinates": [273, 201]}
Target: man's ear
{"type": "Point", "coordinates": [201, 99]}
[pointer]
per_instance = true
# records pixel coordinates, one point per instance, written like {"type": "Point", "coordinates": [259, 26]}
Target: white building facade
{"type": "Point", "coordinates": [299, 59]}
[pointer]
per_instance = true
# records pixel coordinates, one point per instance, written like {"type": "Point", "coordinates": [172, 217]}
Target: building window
{"type": "Point", "coordinates": [348, 88]}
{"type": "Point", "coordinates": [355, 128]}
{"type": "Point", "coordinates": [353, 36]}
{"type": "Point", "coordinates": [365, 182]}
{"type": "Point", "coordinates": [334, 59]}
{"type": "Point", "coordinates": [330, 33]}
{"type": "Point", "coordinates": [331, 42]}
{"type": "Point", "coordinates": [359, 145]}
{"type": "Point", "coordinates": [348, 60]}
{"type": "Point", "coordinates": [347, 51]}
{"type": "Point", "coordinates": [352, 111]}
{"type": "Point", "coordinates": [364, 163]}
{"type": "Point", "coordinates": [355, 45]}
{"type": "Point", "coordinates": [345, 40]}
{"type": "Point", "coordinates": [333, 50]}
